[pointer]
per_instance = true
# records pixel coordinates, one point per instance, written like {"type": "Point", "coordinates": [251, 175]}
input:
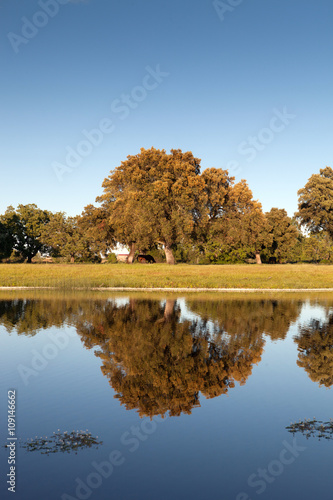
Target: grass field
{"type": "Point", "coordinates": [70, 276]}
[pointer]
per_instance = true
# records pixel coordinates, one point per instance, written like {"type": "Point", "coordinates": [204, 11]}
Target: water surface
{"type": "Point", "coordinates": [169, 397]}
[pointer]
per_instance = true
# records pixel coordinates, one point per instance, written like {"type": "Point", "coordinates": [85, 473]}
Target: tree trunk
{"type": "Point", "coordinates": [29, 259]}
{"type": "Point", "coordinates": [169, 255]}
{"type": "Point", "coordinates": [168, 310]}
{"type": "Point", "coordinates": [130, 257]}
{"type": "Point", "coordinates": [258, 259]}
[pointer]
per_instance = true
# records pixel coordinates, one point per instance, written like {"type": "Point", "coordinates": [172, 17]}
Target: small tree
{"type": "Point", "coordinates": [284, 234]}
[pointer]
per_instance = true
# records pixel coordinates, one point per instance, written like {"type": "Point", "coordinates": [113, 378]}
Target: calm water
{"type": "Point", "coordinates": [183, 397]}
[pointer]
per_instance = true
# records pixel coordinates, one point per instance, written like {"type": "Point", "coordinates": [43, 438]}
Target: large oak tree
{"type": "Point", "coordinates": [155, 197]}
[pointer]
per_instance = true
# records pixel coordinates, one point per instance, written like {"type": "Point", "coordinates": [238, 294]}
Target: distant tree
{"type": "Point", "coordinates": [66, 238]}
{"type": "Point", "coordinates": [317, 248]}
{"type": "Point", "coordinates": [96, 228]}
{"type": "Point", "coordinates": [26, 225]}
{"type": "Point", "coordinates": [237, 227]}
{"type": "Point", "coordinates": [315, 203]}
{"type": "Point", "coordinates": [284, 234]}
{"type": "Point", "coordinates": [6, 241]}
{"type": "Point", "coordinates": [155, 197]}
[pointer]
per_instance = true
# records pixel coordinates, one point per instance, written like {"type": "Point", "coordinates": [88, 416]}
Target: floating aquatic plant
{"type": "Point", "coordinates": [61, 442]}
{"type": "Point", "coordinates": [313, 428]}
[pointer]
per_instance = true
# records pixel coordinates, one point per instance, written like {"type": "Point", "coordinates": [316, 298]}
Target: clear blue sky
{"type": "Point", "coordinates": [223, 79]}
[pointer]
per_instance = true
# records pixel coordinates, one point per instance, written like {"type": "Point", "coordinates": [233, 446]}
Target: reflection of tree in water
{"type": "Point", "coordinates": [157, 364]}
{"type": "Point", "coordinates": [315, 346]}
{"type": "Point", "coordinates": [27, 316]}
{"type": "Point", "coordinates": [255, 316]}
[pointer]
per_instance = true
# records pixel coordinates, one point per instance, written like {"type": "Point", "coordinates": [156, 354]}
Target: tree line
{"type": "Point", "coordinates": [162, 204]}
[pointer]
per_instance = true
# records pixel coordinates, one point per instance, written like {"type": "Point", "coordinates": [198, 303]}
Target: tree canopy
{"type": "Point", "coordinates": [26, 225]}
{"type": "Point", "coordinates": [159, 198]}
{"type": "Point", "coordinates": [236, 227]}
{"type": "Point", "coordinates": [155, 197]}
{"type": "Point", "coordinates": [6, 241]}
{"type": "Point", "coordinates": [284, 234]}
{"type": "Point", "coordinates": [315, 203]}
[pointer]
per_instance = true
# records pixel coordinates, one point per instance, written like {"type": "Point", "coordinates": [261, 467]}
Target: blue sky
{"type": "Point", "coordinates": [243, 84]}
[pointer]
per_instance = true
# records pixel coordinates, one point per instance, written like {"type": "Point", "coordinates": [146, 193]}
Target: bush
{"type": "Point", "coordinates": [112, 258]}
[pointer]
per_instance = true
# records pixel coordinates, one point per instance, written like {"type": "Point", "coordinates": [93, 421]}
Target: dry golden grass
{"type": "Point", "coordinates": [70, 276]}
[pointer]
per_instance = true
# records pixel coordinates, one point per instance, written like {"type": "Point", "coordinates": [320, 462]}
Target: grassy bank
{"type": "Point", "coordinates": [68, 276]}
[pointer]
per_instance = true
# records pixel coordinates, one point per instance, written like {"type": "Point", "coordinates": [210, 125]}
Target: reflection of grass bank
{"type": "Point", "coordinates": [67, 276]}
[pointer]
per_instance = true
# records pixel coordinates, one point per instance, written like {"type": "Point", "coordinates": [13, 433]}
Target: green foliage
{"type": "Point", "coordinates": [95, 227]}
{"type": "Point", "coordinates": [112, 258]}
{"type": "Point", "coordinates": [6, 242]}
{"type": "Point", "coordinates": [26, 225]}
{"type": "Point", "coordinates": [317, 248]}
{"type": "Point", "coordinates": [315, 203]}
{"type": "Point", "coordinates": [284, 235]}
{"type": "Point", "coordinates": [237, 229]}
{"type": "Point", "coordinates": [66, 238]}
{"type": "Point", "coordinates": [16, 257]}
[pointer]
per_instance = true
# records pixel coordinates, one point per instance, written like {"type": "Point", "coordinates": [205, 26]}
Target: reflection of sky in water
{"type": "Point", "coordinates": [311, 311]}
{"type": "Point", "coordinates": [208, 454]}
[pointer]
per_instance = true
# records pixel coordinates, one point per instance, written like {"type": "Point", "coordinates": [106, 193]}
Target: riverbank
{"type": "Point", "coordinates": [182, 277]}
